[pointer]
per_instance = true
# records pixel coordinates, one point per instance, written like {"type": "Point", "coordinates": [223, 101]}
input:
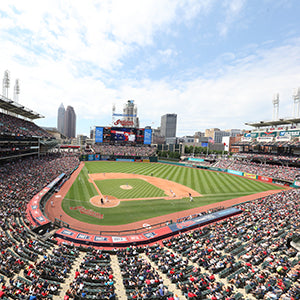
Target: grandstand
{"type": "Point", "coordinates": [20, 137]}
{"type": "Point", "coordinates": [279, 137]}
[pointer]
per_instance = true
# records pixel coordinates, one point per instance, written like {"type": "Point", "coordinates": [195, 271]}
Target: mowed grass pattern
{"type": "Point", "coordinates": [140, 188]}
{"type": "Point", "coordinates": [214, 186]}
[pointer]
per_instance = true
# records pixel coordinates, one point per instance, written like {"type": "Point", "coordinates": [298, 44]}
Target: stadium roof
{"type": "Point", "coordinates": [16, 108]}
{"type": "Point", "coordinates": [274, 123]}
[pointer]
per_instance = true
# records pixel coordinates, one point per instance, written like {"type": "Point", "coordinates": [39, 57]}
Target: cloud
{"type": "Point", "coordinates": [233, 10]}
{"type": "Point", "coordinates": [96, 53]}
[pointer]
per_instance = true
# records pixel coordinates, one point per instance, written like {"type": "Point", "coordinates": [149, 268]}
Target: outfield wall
{"type": "Point", "coordinates": [99, 157]}
{"type": "Point", "coordinates": [238, 173]}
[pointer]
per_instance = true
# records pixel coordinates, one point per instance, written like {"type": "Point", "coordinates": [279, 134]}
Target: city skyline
{"type": "Point", "coordinates": [213, 63]}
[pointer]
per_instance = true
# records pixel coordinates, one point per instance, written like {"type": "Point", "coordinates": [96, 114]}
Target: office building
{"type": "Point", "coordinates": [70, 122]}
{"type": "Point", "coordinates": [61, 118]}
{"type": "Point", "coordinates": [168, 125]}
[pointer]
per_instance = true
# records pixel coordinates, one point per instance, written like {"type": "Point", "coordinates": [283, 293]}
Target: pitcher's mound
{"type": "Point", "coordinates": [126, 187]}
{"type": "Point", "coordinates": [110, 202]}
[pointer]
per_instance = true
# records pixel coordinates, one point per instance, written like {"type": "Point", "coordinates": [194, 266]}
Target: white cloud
{"type": "Point", "coordinates": [67, 52]}
{"type": "Point", "coordinates": [233, 9]}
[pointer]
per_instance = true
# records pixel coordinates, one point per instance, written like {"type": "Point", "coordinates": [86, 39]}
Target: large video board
{"type": "Point", "coordinates": [123, 135]}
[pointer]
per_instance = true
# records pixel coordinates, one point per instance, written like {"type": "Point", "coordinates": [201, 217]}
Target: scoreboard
{"type": "Point", "coordinates": [123, 135]}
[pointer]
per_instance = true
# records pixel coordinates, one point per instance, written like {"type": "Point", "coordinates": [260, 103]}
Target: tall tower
{"type": "Point", "coordinates": [168, 125]}
{"type": "Point", "coordinates": [130, 113]}
{"type": "Point", "coordinates": [16, 91]}
{"type": "Point", "coordinates": [61, 119]}
{"type": "Point", "coordinates": [5, 83]}
{"type": "Point", "coordinates": [296, 103]}
{"type": "Point", "coordinates": [70, 122]}
{"type": "Point", "coordinates": [275, 106]}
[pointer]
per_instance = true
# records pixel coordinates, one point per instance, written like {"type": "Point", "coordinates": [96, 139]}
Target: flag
{"type": "Point", "coordinates": [211, 140]}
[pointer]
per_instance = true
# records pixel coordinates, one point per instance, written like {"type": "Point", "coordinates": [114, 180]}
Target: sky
{"type": "Point", "coordinates": [214, 63]}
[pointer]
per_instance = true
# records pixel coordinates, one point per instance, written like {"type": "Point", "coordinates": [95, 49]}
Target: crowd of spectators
{"type": "Point", "coordinates": [272, 171]}
{"type": "Point", "coordinates": [19, 127]}
{"type": "Point", "coordinates": [21, 179]}
{"type": "Point", "coordinates": [93, 278]}
{"type": "Point", "coordinates": [268, 157]}
{"type": "Point", "coordinates": [118, 150]}
{"type": "Point", "coordinates": [140, 279]}
{"type": "Point", "coordinates": [250, 250]}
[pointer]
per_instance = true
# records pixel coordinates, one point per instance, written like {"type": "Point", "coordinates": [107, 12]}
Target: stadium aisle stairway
{"type": "Point", "coordinates": [120, 289]}
{"type": "Point", "coordinates": [171, 286]}
{"type": "Point", "coordinates": [69, 279]}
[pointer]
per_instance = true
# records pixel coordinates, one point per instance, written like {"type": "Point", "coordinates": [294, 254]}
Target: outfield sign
{"type": "Point", "coordinates": [296, 183]}
{"type": "Point", "coordinates": [249, 175]}
{"type": "Point", "coordinates": [234, 172]}
{"type": "Point", "coordinates": [265, 179]}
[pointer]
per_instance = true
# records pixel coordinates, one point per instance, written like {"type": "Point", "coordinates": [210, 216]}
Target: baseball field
{"type": "Point", "coordinates": [115, 193]}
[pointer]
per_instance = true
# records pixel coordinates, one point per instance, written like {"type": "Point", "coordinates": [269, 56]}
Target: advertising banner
{"type": "Point", "coordinates": [296, 183]}
{"type": "Point", "coordinates": [124, 159]}
{"type": "Point", "coordinates": [99, 135]}
{"type": "Point", "coordinates": [204, 219]}
{"type": "Point", "coordinates": [264, 178]}
{"type": "Point", "coordinates": [195, 159]}
{"type": "Point", "coordinates": [235, 172]}
{"type": "Point", "coordinates": [248, 175]}
{"type": "Point", "coordinates": [147, 136]}
{"type": "Point", "coordinates": [91, 157]}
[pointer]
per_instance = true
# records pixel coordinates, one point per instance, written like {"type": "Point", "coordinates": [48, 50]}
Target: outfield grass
{"type": "Point", "coordinates": [214, 186]}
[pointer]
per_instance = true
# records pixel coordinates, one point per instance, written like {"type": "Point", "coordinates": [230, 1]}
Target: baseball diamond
{"type": "Point", "coordinates": [94, 181]}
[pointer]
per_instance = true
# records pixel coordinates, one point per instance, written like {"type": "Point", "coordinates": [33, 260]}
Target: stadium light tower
{"type": "Point", "coordinates": [296, 102]}
{"type": "Point", "coordinates": [6, 83]}
{"type": "Point", "coordinates": [16, 91]}
{"type": "Point", "coordinates": [113, 114]}
{"type": "Point", "coordinates": [275, 106]}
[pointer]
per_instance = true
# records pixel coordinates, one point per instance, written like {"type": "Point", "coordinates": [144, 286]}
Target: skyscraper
{"type": "Point", "coordinates": [70, 122]}
{"type": "Point", "coordinates": [168, 125]}
{"type": "Point", "coordinates": [61, 118]}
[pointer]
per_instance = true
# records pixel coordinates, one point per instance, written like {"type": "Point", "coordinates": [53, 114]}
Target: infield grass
{"type": "Point", "coordinates": [214, 186]}
{"type": "Point", "coordinates": [139, 188]}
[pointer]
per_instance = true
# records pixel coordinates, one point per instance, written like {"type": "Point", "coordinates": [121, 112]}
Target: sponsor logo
{"type": "Point", "coordinates": [185, 224]}
{"type": "Point", "coordinates": [135, 238]}
{"type": "Point", "coordinates": [297, 183]}
{"type": "Point", "coordinates": [88, 212]}
{"type": "Point", "coordinates": [83, 236]}
{"type": "Point", "coordinates": [248, 175]}
{"type": "Point", "coordinates": [41, 218]}
{"type": "Point", "coordinates": [149, 235]}
{"type": "Point", "coordinates": [67, 232]}
{"type": "Point", "coordinates": [100, 239]}
{"type": "Point", "coordinates": [124, 123]}
{"type": "Point", "coordinates": [119, 239]}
